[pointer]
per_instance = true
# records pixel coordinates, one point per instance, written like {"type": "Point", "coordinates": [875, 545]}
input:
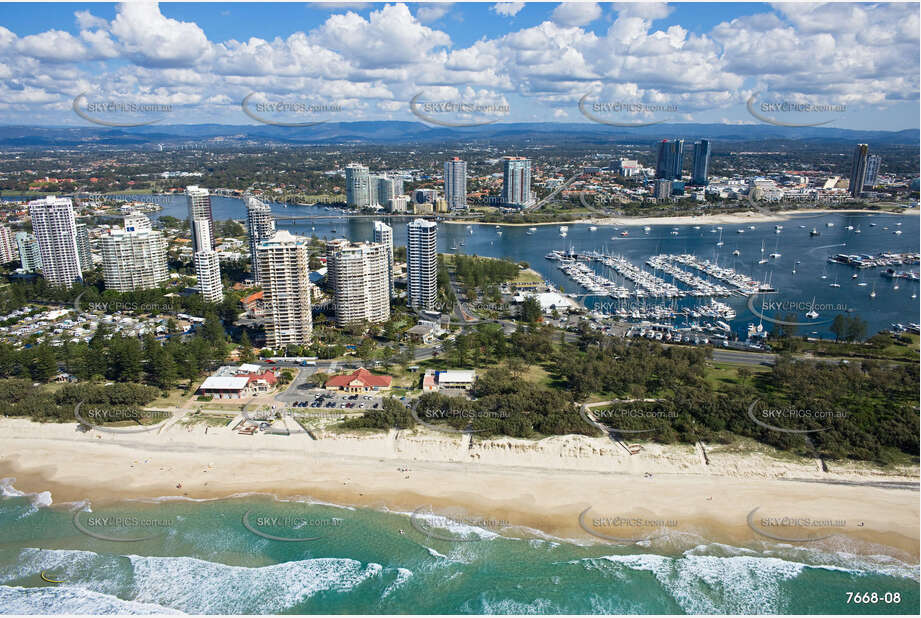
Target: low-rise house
{"type": "Point", "coordinates": [253, 304]}
{"type": "Point", "coordinates": [359, 381]}
{"type": "Point", "coordinates": [237, 382]}
{"type": "Point", "coordinates": [448, 380]}
{"type": "Point", "coordinates": [423, 333]}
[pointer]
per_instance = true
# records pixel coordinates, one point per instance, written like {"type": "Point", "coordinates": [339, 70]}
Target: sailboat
{"type": "Point", "coordinates": [812, 313]}
{"type": "Point", "coordinates": [763, 260]}
{"type": "Point", "coordinates": [873, 293]}
{"type": "Point", "coordinates": [776, 254]}
{"type": "Point", "coordinates": [736, 252]}
{"type": "Point", "coordinates": [835, 284]}
{"type": "Point", "coordinates": [720, 243]}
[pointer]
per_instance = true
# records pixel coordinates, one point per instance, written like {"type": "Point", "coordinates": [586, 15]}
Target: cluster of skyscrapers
{"type": "Point", "coordinates": [670, 161]}
{"type": "Point", "coordinates": [366, 190]}
{"type": "Point", "coordinates": [205, 258]}
{"type": "Point", "coordinates": [864, 170]}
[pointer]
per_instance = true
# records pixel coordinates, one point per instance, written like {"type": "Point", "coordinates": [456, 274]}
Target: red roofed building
{"type": "Point", "coordinates": [253, 304]}
{"type": "Point", "coordinates": [360, 381]}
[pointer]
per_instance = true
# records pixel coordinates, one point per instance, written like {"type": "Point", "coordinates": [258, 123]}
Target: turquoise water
{"type": "Point", "coordinates": [201, 558]}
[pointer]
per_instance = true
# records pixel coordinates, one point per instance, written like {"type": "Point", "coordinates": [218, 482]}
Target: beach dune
{"type": "Point", "coordinates": [541, 485]}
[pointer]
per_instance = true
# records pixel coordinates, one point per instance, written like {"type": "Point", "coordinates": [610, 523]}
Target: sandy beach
{"type": "Point", "coordinates": [543, 485]}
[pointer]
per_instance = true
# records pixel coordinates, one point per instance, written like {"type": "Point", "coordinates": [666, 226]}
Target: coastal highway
{"type": "Point", "coordinates": [733, 357]}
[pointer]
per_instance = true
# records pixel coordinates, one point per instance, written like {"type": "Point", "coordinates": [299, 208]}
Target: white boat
{"type": "Point", "coordinates": [849, 228]}
{"type": "Point", "coordinates": [898, 232]}
{"type": "Point", "coordinates": [751, 227]}
{"type": "Point", "coordinates": [775, 255]}
{"type": "Point", "coordinates": [592, 228]}
{"type": "Point", "coordinates": [873, 293]}
{"type": "Point", "coordinates": [720, 243]}
{"type": "Point", "coordinates": [829, 224]}
{"type": "Point", "coordinates": [813, 314]}
{"type": "Point", "coordinates": [736, 252]}
{"type": "Point", "coordinates": [564, 228]}
{"type": "Point", "coordinates": [646, 228]}
{"type": "Point", "coordinates": [562, 234]}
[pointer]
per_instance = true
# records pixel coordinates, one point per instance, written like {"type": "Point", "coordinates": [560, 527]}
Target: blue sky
{"type": "Point", "coordinates": [848, 65]}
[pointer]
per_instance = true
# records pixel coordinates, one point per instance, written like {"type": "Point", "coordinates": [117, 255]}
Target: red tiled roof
{"type": "Point", "coordinates": [268, 376]}
{"type": "Point", "coordinates": [362, 375]}
{"type": "Point", "coordinates": [252, 297]}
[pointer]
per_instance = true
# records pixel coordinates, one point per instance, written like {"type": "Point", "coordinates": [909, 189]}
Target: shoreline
{"type": "Point", "coordinates": [708, 219]}
{"type": "Point", "coordinates": [542, 486]}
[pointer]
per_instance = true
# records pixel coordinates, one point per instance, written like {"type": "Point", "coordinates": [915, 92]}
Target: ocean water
{"type": "Point", "coordinates": [200, 557]}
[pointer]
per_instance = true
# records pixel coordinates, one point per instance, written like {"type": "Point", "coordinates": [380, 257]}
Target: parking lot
{"type": "Point", "coordinates": [318, 398]}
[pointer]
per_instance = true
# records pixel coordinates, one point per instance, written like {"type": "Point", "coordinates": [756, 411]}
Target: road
{"type": "Point", "coordinates": [553, 194]}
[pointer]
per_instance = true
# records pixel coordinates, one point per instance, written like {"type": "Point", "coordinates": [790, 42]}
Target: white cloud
{"type": "Point", "coordinates": [154, 40]}
{"type": "Point", "coordinates": [576, 13]}
{"type": "Point", "coordinates": [390, 37]}
{"type": "Point", "coordinates": [52, 46]}
{"type": "Point", "coordinates": [88, 21]}
{"type": "Point", "coordinates": [507, 9]}
{"type": "Point", "coordinates": [854, 54]}
{"type": "Point", "coordinates": [429, 12]}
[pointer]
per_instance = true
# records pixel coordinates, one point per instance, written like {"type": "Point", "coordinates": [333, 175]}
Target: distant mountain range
{"type": "Point", "coordinates": [378, 132]}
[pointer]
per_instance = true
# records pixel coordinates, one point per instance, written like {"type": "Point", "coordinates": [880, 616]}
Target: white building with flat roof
{"type": "Point", "coordinates": [56, 232]}
{"type": "Point", "coordinates": [207, 263]}
{"type": "Point", "coordinates": [260, 226]}
{"type": "Point", "coordinates": [199, 203]}
{"type": "Point", "coordinates": [422, 264]}
{"type": "Point", "coordinates": [455, 179]}
{"type": "Point", "coordinates": [383, 235]}
{"type": "Point", "coordinates": [360, 277]}
{"type": "Point", "coordinates": [283, 266]}
{"type": "Point", "coordinates": [134, 258]}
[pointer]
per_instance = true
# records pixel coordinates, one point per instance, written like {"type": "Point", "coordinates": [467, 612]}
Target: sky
{"type": "Point", "coordinates": [847, 65]}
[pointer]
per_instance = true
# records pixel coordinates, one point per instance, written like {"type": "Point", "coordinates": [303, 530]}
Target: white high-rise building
{"type": "Point", "coordinates": [83, 248]}
{"type": "Point", "coordinates": [260, 226]}
{"type": "Point", "coordinates": [7, 252]}
{"type": "Point", "coordinates": [516, 182]}
{"type": "Point", "coordinates": [56, 232]}
{"type": "Point", "coordinates": [283, 266]}
{"type": "Point", "coordinates": [207, 263]}
{"type": "Point", "coordinates": [29, 254]}
{"type": "Point", "coordinates": [134, 258]}
{"type": "Point", "coordinates": [199, 202]}
{"type": "Point", "coordinates": [399, 203]}
{"type": "Point", "coordinates": [357, 186]}
{"type": "Point", "coordinates": [422, 264]}
{"type": "Point", "coordinates": [383, 235]}
{"type": "Point", "coordinates": [456, 184]}
{"type": "Point", "coordinates": [383, 189]}
{"type": "Point", "coordinates": [358, 272]}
